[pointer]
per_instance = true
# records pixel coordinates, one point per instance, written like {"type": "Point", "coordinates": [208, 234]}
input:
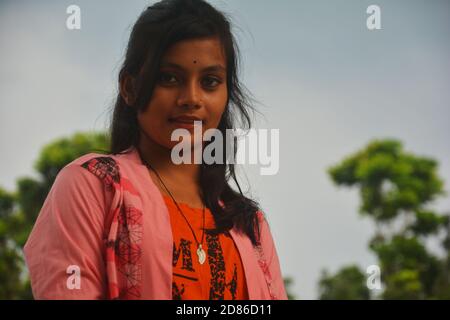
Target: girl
{"type": "Point", "coordinates": [133, 224]}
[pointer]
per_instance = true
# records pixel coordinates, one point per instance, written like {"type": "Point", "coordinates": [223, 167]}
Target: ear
{"type": "Point", "coordinates": [127, 89]}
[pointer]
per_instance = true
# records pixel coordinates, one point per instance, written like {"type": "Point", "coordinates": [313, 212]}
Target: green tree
{"type": "Point", "coordinates": [19, 210]}
{"type": "Point", "coordinates": [348, 284]}
{"type": "Point", "coordinates": [288, 282]}
{"type": "Point", "coordinates": [396, 189]}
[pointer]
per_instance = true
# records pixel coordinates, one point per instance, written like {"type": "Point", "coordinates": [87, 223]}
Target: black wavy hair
{"type": "Point", "coordinates": [157, 28]}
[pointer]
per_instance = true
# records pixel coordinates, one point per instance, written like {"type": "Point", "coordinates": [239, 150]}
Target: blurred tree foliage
{"type": "Point", "coordinates": [19, 210]}
{"type": "Point", "coordinates": [396, 189]}
{"type": "Point", "coordinates": [288, 282]}
{"type": "Point", "coordinates": [348, 284]}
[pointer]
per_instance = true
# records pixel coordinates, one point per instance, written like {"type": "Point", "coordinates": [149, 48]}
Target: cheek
{"type": "Point", "coordinates": [217, 107]}
{"type": "Point", "coordinates": [153, 120]}
{"type": "Point", "coordinates": [149, 124]}
{"type": "Point", "coordinates": [159, 108]}
{"type": "Point", "coordinates": [162, 100]}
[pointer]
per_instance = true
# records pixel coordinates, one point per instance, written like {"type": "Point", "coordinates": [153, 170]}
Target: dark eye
{"type": "Point", "coordinates": [211, 82]}
{"type": "Point", "coordinates": [167, 78]}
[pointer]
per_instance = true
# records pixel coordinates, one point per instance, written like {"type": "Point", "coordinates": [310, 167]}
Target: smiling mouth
{"type": "Point", "coordinates": [186, 122]}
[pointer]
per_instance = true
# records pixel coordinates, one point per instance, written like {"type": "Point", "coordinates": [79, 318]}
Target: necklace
{"type": "Point", "coordinates": [200, 252]}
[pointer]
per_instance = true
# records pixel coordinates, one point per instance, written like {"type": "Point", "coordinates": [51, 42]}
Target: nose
{"type": "Point", "coordinates": [190, 95]}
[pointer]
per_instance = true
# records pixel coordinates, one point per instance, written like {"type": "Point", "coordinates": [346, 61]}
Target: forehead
{"type": "Point", "coordinates": [204, 51]}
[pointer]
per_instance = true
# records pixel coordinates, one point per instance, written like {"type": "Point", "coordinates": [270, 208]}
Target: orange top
{"type": "Point", "coordinates": [221, 276]}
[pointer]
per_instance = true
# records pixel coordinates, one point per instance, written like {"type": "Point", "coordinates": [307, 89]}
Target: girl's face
{"type": "Point", "coordinates": [191, 85]}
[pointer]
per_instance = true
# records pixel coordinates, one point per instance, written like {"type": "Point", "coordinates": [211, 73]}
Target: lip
{"type": "Point", "coordinates": [186, 122]}
{"type": "Point", "coordinates": [185, 118]}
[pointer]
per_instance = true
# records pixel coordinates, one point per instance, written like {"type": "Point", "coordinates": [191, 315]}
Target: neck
{"type": "Point", "coordinates": [159, 157]}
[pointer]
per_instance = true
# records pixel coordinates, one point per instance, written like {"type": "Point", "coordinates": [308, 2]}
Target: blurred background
{"type": "Point", "coordinates": [363, 118]}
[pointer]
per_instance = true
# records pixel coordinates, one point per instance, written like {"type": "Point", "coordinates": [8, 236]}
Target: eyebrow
{"type": "Point", "coordinates": [216, 67]}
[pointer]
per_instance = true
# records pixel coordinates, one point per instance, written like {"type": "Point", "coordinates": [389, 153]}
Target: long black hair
{"type": "Point", "coordinates": [157, 28]}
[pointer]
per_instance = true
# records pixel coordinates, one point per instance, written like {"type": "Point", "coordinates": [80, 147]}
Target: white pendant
{"type": "Point", "coordinates": [201, 254]}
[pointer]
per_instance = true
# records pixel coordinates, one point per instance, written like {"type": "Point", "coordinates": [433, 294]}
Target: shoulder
{"type": "Point", "coordinates": [80, 175]}
{"type": "Point", "coordinates": [265, 237]}
{"type": "Point", "coordinates": [106, 170]}
{"type": "Point", "coordinates": [84, 175]}
{"type": "Point", "coordinates": [96, 166]}
{"type": "Point", "coordinates": [262, 222]}
{"type": "Point", "coordinates": [95, 160]}
{"type": "Point", "coordinates": [104, 167]}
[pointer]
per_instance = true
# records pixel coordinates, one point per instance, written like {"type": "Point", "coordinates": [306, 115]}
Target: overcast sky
{"type": "Point", "coordinates": [324, 80]}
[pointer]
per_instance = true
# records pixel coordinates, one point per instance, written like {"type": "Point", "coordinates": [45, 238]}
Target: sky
{"type": "Point", "coordinates": [322, 78]}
